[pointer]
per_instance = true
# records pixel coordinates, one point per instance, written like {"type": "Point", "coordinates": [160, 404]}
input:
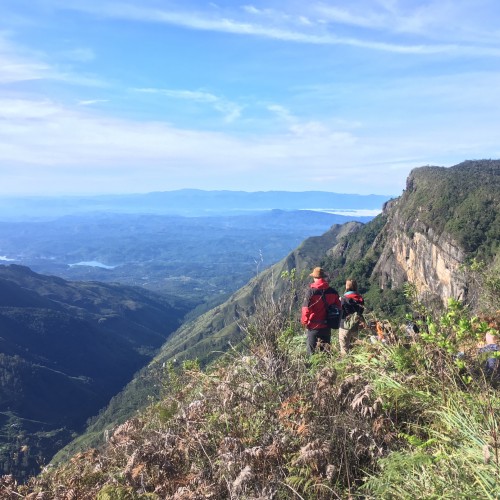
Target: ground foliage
{"type": "Point", "coordinates": [413, 412]}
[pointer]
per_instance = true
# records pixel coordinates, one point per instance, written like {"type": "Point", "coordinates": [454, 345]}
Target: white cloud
{"type": "Point", "coordinates": [230, 110]}
{"type": "Point", "coordinates": [83, 151]}
{"type": "Point", "coordinates": [91, 102]}
{"type": "Point", "coordinates": [251, 9]}
{"type": "Point", "coordinates": [86, 147]}
{"type": "Point", "coordinates": [193, 95]}
{"type": "Point", "coordinates": [341, 15]}
{"type": "Point", "coordinates": [44, 142]}
{"type": "Point", "coordinates": [453, 21]}
{"type": "Point", "coordinates": [311, 128]}
{"type": "Point", "coordinates": [20, 65]}
{"type": "Point", "coordinates": [79, 54]}
{"type": "Point", "coordinates": [286, 27]}
{"type": "Point", "coordinates": [17, 67]}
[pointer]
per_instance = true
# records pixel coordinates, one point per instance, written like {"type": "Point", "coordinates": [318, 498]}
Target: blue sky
{"type": "Point", "coordinates": [128, 96]}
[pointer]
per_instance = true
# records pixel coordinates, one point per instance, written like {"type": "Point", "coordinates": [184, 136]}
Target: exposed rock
{"type": "Point", "coordinates": [416, 253]}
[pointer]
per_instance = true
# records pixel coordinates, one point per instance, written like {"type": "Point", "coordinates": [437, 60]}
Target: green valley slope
{"type": "Point", "coordinates": [65, 349]}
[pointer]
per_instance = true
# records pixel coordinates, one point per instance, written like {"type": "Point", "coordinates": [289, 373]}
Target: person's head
{"type": "Point", "coordinates": [351, 285]}
{"type": "Point", "coordinates": [491, 338]}
{"type": "Point", "coordinates": [318, 273]}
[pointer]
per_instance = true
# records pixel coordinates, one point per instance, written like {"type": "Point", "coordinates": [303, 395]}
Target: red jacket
{"type": "Point", "coordinates": [313, 308]}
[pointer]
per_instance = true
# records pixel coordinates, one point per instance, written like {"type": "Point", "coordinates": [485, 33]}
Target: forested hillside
{"type": "Point", "coordinates": [65, 349]}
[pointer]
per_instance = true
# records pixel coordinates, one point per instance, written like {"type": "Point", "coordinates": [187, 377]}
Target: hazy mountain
{"type": "Point", "coordinates": [65, 349]}
{"type": "Point", "coordinates": [191, 202]}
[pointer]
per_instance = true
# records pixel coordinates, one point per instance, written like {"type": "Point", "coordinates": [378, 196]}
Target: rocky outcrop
{"type": "Point", "coordinates": [445, 217]}
{"type": "Point", "coordinates": [416, 253]}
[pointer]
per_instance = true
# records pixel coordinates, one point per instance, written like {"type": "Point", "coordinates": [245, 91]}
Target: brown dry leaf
{"type": "Point", "coordinates": [71, 495]}
{"type": "Point", "coordinates": [486, 454]}
{"type": "Point", "coordinates": [245, 476]}
{"type": "Point", "coordinates": [137, 470]}
{"type": "Point", "coordinates": [302, 429]}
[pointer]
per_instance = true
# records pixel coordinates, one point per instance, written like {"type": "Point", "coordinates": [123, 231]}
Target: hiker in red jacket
{"type": "Point", "coordinates": [314, 311]}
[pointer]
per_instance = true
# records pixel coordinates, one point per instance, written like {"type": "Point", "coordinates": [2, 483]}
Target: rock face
{"type": "Point", "coordinates": [444, 217]}
{"type": "Point", "coordinates": [418, 254]}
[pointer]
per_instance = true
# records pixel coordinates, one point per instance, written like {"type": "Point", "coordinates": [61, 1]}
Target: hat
{"type": "Point", "coordinates": [318, 273]}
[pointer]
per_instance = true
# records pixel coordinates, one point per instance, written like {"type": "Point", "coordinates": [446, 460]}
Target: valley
{"type": "Point", "coordinates": [188, 256]}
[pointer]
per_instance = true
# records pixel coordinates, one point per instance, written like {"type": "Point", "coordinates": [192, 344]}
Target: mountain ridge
{"type": "Point", "coordinates": [186, 202]}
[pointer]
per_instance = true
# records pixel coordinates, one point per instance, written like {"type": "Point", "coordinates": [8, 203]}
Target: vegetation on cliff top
{"type": "Point", "coordinates": [462, 201]}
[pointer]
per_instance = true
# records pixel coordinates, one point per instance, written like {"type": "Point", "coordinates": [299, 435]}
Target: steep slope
{"type": "Point", "coordinates": [65, 349]}
{"type": "Point", "coordinates": [207, 336]}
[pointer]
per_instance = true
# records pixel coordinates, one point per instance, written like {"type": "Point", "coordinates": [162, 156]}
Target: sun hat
{"type": "Point", "coordinates": [318, 273]}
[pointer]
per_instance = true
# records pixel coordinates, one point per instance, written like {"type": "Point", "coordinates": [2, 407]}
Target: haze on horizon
{"type": "Point", "coordinates": [122, 96]}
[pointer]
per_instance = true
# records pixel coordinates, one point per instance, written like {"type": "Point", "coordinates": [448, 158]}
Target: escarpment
{"type": "Point", "coordinates": [444, 218]}
{"type": "Point", "coordinates": [418, 254]}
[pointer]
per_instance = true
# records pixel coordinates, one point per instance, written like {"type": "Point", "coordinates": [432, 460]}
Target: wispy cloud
{"type": "Point", "coordinates": [315, 24]}
{"type": "Point", "coordinates": [91, 102]}
{"type": "Point", "coordinates": [35, 134]}
{"type": "Point", "coordinates": [342, 15]}
{"type": "Point", "coordinates": [327, 114]}
{"type": "Point", "coordinates": [17, 67]}
{"type": "Point", "coordinates": [230, 110]}
{"type": "Point", "coordinates": [79, 54]}
{"type": "Point", "coordinates": [86, 146]}
{"type": "Point", "coordinates": [454, 21]}
{"type": "Point", "coordinates": [311, 128]}
{"type": "Point", "coordinates": [20, 65]}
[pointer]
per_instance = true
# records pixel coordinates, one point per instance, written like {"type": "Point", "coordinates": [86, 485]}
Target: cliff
{"type": "Point", "coordinates": [418, 254]}
{"type": "Point", "coordinates": [445, 217]}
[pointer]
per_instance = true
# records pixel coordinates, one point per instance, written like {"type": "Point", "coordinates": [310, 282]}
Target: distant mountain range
{"type": "Point", "coordinates": [188, 202]}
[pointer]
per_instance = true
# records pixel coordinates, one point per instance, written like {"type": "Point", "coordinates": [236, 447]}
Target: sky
{"type": "Point", "coordinates": [129, 96]}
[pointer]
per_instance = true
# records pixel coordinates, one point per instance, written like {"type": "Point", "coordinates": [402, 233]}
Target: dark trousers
{"type": "Point", "coordinates": [320, 338]}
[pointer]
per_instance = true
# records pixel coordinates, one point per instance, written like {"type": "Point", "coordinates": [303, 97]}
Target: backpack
{"type": "Point", "coordinates": [352, 312]}
{"type": "Point", "coordinates": [351, 306]}
{"type": "Point", "coordinates": [333, 313]}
